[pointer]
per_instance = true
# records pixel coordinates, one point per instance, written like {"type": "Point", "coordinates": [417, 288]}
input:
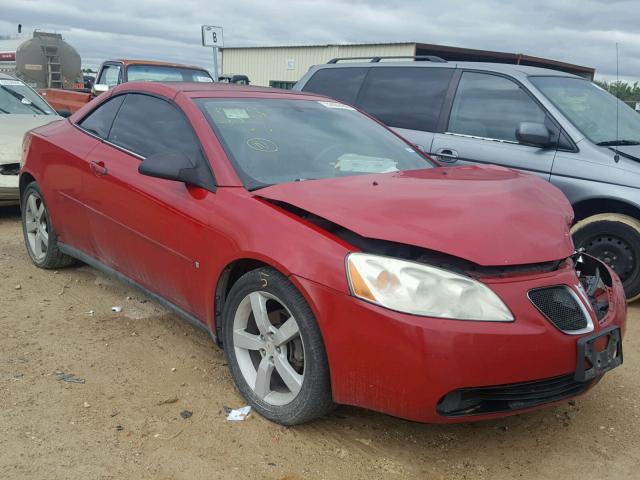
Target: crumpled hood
{"type": "Point", "coordinates": [12, 130]}
{"type": "Point", "coordinates": [488, 215]}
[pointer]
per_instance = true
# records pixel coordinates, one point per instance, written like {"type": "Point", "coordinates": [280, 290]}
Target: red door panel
{"type": "Point", "coordinates": [63, 172]}
{"type": "Point", "coordinates": [139, 227]}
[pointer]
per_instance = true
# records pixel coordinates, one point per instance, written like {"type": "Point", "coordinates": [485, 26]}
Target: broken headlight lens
{"type": "Point", "coordinates": [420, 289]}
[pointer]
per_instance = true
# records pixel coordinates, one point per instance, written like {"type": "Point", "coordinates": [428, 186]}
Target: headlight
{"type": "Point", "coordinates": [420, 289]}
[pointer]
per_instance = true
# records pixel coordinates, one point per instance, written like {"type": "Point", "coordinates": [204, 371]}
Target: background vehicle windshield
{"type": "Point", "coordinates": [160, 73]}
{"type": "Point", "coordinates": [275, 141]}
{"type": "Point", "coordinates": [591, 109]}
{"type": "Point", "coordinates": [16, 97]}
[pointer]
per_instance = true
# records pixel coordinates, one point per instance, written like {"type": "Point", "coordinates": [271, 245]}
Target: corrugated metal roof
{"type": "Point", "coordinates": [323, 45]}
{"type": "Point", "coordinates": [449, 53]}
{"type": "Point", "coordinates": [474, 55]}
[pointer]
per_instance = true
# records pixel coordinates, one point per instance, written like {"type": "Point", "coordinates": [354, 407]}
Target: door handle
{"type": "Point", "coordinates": [447, 155]}
{"type": "Point", "coordinates": [98, 168]}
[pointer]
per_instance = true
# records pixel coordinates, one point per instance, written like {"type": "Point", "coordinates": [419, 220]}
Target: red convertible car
{"type": "Point", "coordinates": [333, 261]}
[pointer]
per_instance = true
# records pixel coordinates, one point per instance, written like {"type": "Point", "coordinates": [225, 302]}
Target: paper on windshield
{"type": "Point", "coordinates": [235, 113]}
{"type": "Point", "coordinates": [352, 162]}
{"type": "Point", "coordinates": [341, 106]}
{"type": "Point", "coordinates": [10, 82]}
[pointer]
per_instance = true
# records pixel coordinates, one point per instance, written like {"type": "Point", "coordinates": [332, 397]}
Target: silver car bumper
{"type": "Point", "coordinates": [9, 191]}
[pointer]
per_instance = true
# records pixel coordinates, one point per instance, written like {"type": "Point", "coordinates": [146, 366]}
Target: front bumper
{"type": "Point", "coordinates": [404, 365]}
{"type": "Point", "coordinates": [9, 190]}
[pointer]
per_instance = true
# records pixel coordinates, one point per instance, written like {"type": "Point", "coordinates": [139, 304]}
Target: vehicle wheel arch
{"type": "Point", "coordinates": [229, 275]}
{"type": "Point", "coordinates": [25, 179]}
{"type": "Point", "coordinates": [598, 205]}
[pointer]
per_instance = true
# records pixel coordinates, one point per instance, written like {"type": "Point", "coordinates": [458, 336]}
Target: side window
{"type": "Point", "coordinates": [99, 121]}
{"type": "Point", "coordinates": [109, 75]}
{"type": "Point", "coordinates": [147, 125]}
{"type": "Point", "coordinates": [339, 83]}
{"type": "Point", "coordinates": [406, 97]}
{"type": "Point", "coordinates": [491, 106]}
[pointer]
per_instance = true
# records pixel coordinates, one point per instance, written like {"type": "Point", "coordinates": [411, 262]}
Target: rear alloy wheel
{"type": "Point", "coordinates": [39, 235]}
{"type": "Point", "coordinates": [274, 349]}
{"type": "Point", "coordinates": [614, 239]}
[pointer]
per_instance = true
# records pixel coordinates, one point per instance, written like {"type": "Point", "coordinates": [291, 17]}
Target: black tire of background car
{"type": "Point", "coordinates": [54, 257]}
{"type": "Point", "coordinates": [626, 229]}
{"type": "Point", "coordinates": [314, 399]}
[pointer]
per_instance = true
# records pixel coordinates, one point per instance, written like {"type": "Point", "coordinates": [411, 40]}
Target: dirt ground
{"type": "Point", "coordinates": [143, 366]}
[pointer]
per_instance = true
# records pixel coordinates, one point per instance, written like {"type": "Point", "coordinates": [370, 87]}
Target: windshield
{"type": "Point", "coordinates": [275, 141]}
{"type": "Point", "coordinates": [18, 98]}
{"type": "Point", "coordinates": [591, 109]}
{"type": "Point", "coordinates": [161, 73]}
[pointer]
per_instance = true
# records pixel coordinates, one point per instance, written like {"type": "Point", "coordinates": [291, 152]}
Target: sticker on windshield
{"type": "Point", "coordinates": [235, 113]}
{"type": "Point", "coordinates": [10, 82]}
{"type": "Point", "coordinates": [341, 106]}
{"type": "Point", "coordinates": [262, 145]}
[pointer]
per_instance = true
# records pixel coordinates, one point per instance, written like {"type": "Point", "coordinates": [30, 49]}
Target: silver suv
{"type": "Point", "coordinates": [557, 125]}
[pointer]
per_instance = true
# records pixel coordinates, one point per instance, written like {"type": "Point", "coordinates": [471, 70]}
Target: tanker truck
{"type": "Point", "coordinates": [43, 61]}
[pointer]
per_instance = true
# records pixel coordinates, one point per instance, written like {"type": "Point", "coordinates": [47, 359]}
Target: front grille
{"type": "Point", "coordinates": [560, 306]}
{"type": "Point", "coordinates": [504, 398]}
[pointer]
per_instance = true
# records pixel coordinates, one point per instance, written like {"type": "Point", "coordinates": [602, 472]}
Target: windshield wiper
{"type": "Point", "coordinates": [38, 109]}
{"type": "Point", "coordinates": [259, 186]}
{"type": "Point", "coordinates": [21, 97]}
{"type": "Point", "coordinates": [4, 111]}
{"type": "Point", "coordinates": [617, 143]}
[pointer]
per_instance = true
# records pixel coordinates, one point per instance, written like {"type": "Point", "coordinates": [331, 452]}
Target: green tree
{"type": "Point", "coordinates": [628, 93]}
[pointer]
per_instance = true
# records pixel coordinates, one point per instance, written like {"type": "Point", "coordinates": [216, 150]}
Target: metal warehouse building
{"type": "Point", "coordinates": [282, 66]}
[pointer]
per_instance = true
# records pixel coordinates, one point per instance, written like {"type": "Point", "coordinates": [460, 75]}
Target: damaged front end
{"type": "Point", "coordinates": [558, 303]}
{"type": "Point", "coordinates": [488, 368]}
{"type": "Point", "coordinates": [598, 347]}
{"type": "Point", "coordinates": [412, 252]}
{"type": "Point", "coordinates": [596, 282]}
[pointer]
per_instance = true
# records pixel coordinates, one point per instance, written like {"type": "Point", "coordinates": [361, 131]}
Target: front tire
{"type": "Point", "coordinates": [275, 350]}
{"type": "Point", "coordinates": [615, 239]}
{"type": "Point", "coordinates": [39, 235]}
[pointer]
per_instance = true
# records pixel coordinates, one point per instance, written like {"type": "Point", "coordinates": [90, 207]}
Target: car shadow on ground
{"type": "Point", "coordinates": [10, 212]}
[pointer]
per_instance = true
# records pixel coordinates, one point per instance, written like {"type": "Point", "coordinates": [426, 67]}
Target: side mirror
{"type": "Point", "coordinates": [534, 134]}
{"type": "Point", "coordinates": [174, 165]}
{"type": "Point", "coordinates": [99, 88]}
{"type": "Point", "coordinates": [63, 112]}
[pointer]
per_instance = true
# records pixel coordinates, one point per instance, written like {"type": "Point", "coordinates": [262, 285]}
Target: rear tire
{"type": "Point", "coordinates": [275, 350]}
{"type": "Point", "coordinates": [39, 235]}
{"type": "Point", "coordinates": [615, 239]}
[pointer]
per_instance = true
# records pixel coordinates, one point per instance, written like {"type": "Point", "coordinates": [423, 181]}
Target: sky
{"type": "Point", "coordinates": [583, 32]}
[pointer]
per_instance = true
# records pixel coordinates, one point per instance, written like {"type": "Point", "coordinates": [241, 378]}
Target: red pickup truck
{"type": "Point", "coordinates": [115, 72]}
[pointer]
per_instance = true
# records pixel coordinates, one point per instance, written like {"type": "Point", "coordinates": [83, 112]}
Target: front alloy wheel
{"type": "Point", "coordinates": [268, 348]}
{"type": "Point", "coordinates": [274, 349]}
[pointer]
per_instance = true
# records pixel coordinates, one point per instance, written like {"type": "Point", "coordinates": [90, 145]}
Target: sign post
{"type": "Point", "coordinates": [212, 37]}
